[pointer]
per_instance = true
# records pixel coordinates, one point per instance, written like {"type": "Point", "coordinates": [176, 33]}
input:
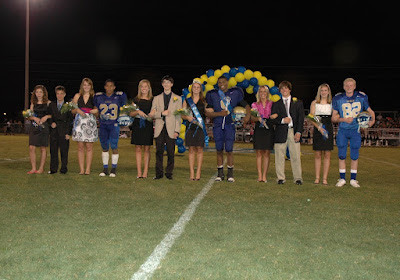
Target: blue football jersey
{"type": "Point", "coordinates": [350, 107]}
{"type": "Point", "coordinates": [109, 106]}
{"type": "Point", "coordinates": [214, 101]}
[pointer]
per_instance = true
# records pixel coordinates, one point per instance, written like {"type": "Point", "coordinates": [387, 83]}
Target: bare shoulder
{"type": "Point", "coordinates": [76, 97]}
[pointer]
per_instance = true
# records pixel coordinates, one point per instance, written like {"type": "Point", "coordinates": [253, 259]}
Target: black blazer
{"type": "Point", "coordinates": [296, 112]}
{"type": "Point", "coordinates": [63, 121]}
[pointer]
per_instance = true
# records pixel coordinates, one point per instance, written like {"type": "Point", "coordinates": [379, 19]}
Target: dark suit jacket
{"type": "Point", "coordinates": [63, 121]}
{"type": "Point", "coordinates": [296, 112]}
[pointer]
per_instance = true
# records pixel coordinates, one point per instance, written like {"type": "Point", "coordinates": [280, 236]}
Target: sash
{"type": "Point", "coordinates": [199, 118]}
{"type": "Point", "coordinates": [227, 103]}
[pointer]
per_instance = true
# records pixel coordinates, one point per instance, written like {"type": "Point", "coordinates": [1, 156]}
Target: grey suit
{"type": "Point", "coordinates": [164, 130]}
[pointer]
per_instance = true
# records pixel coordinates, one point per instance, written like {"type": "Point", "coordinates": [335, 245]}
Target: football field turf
{"type": "Point", "coordinates": [87, 227]}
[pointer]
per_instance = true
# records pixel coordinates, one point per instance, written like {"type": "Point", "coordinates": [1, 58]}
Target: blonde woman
{"type": "Point", "coordinates": [263, 141]}
{"type": "Point", "coordinates": [142, 128]}
{"type": "Point", "coordinates": [85, 126]}
{"type": "Point", "coordinates": [322, 107]}
{"type": "Point", "coordinates": [194, 133]}
{"type": "Point", "coordinates": [39, 132]}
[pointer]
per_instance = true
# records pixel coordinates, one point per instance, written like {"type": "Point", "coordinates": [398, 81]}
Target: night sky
{"type": "Point", "coordinates": [305, 44]}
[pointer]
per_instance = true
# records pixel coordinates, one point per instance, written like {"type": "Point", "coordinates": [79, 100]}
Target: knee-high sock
{"type": "Point", "coordinates": [105, 157]}
{"type": "Point", "coordinates": [114, 160]}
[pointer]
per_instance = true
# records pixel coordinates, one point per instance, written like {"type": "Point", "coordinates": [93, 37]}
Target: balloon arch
{"type": "Point", "coordinates": [241, 77]}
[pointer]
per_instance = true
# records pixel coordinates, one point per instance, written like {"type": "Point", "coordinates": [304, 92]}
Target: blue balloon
{"type": "Point", "coordinates": [255, 89]}
{"type": "Point", "coordinates": [181, 149]}
{"type": "Point", "coordinates": [240, 84]}
{"type": "Point", "coordinates": [216, 86]}
{"type": "Point", "coordinates": [241, 69]}
{"type": "Point", "coordinates": [226, 75]}
{"type": "Point", "coordinates": [233, 72]}
{"type": "Point", "coordinates": [253, 81]}
{"type": "Point", "coordinates": [185, 91]}
{"type": "Point", "coordinates": [246, 83]}
{"type": "Point", "coordinates": [179, 141]}
{"type": "Point", "coordinates": [274, 90]}
{"type": "Point", "coordinates": [203, 87]}
{"type": "Point", "coordinates": [210, 72]}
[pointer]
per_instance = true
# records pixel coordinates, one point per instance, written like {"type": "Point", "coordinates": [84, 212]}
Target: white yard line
{"type": "Point", "coordinates": [2, 160]}
{"type": "Point", "coordinates": [379, 161]}
{"type": "Point", "coordinates": [147, 269]}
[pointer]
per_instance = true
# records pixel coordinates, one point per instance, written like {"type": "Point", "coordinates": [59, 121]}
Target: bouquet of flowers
{"type": "Point", "coordinates": [28, 113]}
{"type": "Point", "coordinates": [254, 112]}
{"type": "Point", "coordinates": [182, 112]}
{"type": "Point", "coordinates": [317, 121]}
{"type": "Point", "coordinates": [67, 107]}
{"type": "Point", "coordinates": [187, 112]}
{"type": "Point", "coordinates": [127, 108]}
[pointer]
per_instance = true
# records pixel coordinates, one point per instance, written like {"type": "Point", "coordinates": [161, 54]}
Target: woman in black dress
{"type": "Point", "coordinates": [263, 140]}
{"type": "Point", "coordinates": [194, 137]}
{"type": "Point", "coordinates": [39, 132]}
{"type": "Point", "coordinates": [322, 107]}
{"type": "Point", "coordinates": [142, 127]}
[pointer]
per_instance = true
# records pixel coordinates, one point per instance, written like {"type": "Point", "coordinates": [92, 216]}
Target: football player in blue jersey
{"type": "Point", "coordinates": [108, 103]}
{"type": "Point", "coordinates": [346, 107]}
{"type": "Point", "coordinates": [220, 104]}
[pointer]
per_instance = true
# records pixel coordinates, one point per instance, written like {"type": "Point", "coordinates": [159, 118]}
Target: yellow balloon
{"type": "Point", "coordinates": [239, 77]}
{"type": "Point", "coordinates": [248, 74]}
{"type": "Point", "coordinates": [232, 82]}
{"type": "Point", "coordinates": [218, 73]}
{"type": "Point", "coordinates": [183, 129]}
{"type": "Point", "coordinates": [270, 83]}
{"type": "Point", "coordinates": [262, 81]}
{"type": "Point", "coordinates": [275, 97]}
{"type": "Point", "coordinates": [257, 74]}
{"type": "Point", "coordinates": [270, 96]}
{"type": "Point", "coordinates": [176, 149]}
{"type": "Point", "coordinates": [212, 80]}
{"type": "Point", "coordinates": [249, 89]}
{"type": "Point", "coordinates": [203, 78]}
{"type": "Point", "coordinates": [190, 88]}
{"type": "Point", "coordinates": [208, 87]}
{"type": "Point", "coordinates": [225, 69]}
{"type": "Point", "coordinates": [182, 135]}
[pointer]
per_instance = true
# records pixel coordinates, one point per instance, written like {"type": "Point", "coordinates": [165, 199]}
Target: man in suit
{"type": "Point", "coordinates": [289, 127]}
{"type": "Point", "coordinates": [60, 131]}
{"type": "Point", "coordinates": [167, 126]}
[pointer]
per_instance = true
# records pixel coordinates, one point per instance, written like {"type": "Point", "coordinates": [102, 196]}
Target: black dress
{"type": "Point", "coordinates": [319, 142]}
{"type": "Point", "coordinates": [39, 134]}
{"type": "Point", "coordinates": [324, 112]}
{"type": "Point", "coordinates": [195, 134]}
{"type": "Point", "coordinates": [263, 138]}
{"type": "Point", "coordinates": [142, 130]}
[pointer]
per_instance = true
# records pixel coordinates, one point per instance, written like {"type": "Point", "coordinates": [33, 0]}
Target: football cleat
{"type": "Point", "coordinates": [341, 183]}
{"type": "Point", "coordinates": [219, 179]}
{"type": "Point", "coordinates": [354, 183]}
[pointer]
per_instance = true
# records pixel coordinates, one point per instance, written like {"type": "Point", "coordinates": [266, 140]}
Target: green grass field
{"type": "Point", "coordinates": [87, 227]}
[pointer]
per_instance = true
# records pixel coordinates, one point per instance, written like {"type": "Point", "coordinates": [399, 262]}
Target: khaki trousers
{"type": "Point", "coordinates": [295, 161]}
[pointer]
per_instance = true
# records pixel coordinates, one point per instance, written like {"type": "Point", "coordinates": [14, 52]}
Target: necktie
{"type": "Point", "coordinates": [287, 106]}
{"type": "Point", "coordinates": [59, 106]}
